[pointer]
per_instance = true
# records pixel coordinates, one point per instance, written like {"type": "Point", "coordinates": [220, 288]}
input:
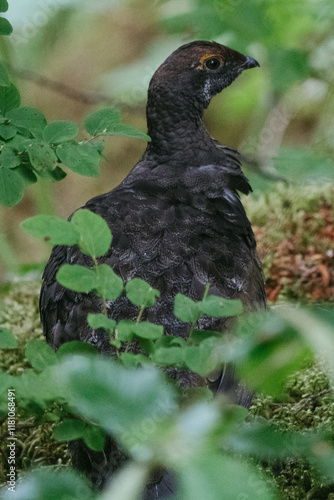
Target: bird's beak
{"type": "Point", "coordinates": [250, 63]}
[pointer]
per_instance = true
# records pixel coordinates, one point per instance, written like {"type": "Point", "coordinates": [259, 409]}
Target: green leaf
{"type": "Point", "coordinates": [115, 397]}
{"type": "Point", "coordinates": [223, 473]}
{"type": "Point", "coordinates": [81, 158]}
{"type": "Point", "coordinates": [186, 309]}
{"type": "Point", "coordinates": [4, 77]}
{"type": "Point", "coordinates": [95, 235]}
{"type": "Point", "coordinates": [52, 484]}
{"type": "Point", "coordinates": [101, 321]}
{"type": "Point", "coordinates": [124, 329]}
{"type": "Point", "coordinates": [75, 347]}
{"type": "Point", "coordinates": [3, 5]}
{"type": "Point", "coordinates": [7, 339]}
{"type": "Point", "coordinates": [29, 118]}
{"type": "Point", "coordinates": [71, 428]}
{"type": "Point", "coordinates": [109, 285]}
{"type": "Point", "coordinates": [11, 187]}
{"type": "Point", "coordinates": [147, 330]}
{"type": "Point", "coordinates": [52, 229]}
{"type": "Point", "coordinates": [41, 156]}
{"type": "Point", "coordinates": [7, 131]}
{"type": "Point", "coordinates": [220, 307]}
{"type": "Point", "coordinates": [9, 97]}
{"type": "Point", "coordinates": [103, 121]}
{"type": "Point", "coordinates": [141, 293]}
{"type": "Point", "coordinates": [133, 360]}
{"type": "Point", "coordinates": [129, 131]}
{"type": "Point", "coordinates": [199, 359]}
{"type": "Point", "coordinates": [59, 131]}
{"type": "Point", "coordinates": [8, 158]}
{"type": "Point", "coordinates": [77, 278]}
{"type": "Point", "coordinates": [39, 354]}
{"type": "Point", "coordinates": [5, 27]}
{"type": "Point", "coordinates": [167, 356]}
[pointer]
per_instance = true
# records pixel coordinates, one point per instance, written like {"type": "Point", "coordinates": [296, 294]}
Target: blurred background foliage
{"type": "Point", "coordinates": [69, 57]}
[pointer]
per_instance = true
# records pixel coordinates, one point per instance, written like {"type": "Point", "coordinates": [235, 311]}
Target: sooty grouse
{"type": "Point", "coordinates": [177, 222]}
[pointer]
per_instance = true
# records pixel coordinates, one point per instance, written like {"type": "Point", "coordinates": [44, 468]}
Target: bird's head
{"type": "Point", "coordinates": [199, 70]}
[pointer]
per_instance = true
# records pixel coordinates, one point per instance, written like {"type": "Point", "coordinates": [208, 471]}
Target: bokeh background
{"type": "Point", "coordinates": [69, 57]}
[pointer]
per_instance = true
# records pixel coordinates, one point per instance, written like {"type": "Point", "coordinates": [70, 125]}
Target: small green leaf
{"type": "Point", "coordinates": [11, 187]}
{"type": "Point", "coordinates": [133, 360]}
{"type": "Point", "coordinates": [71, 428]}
{"type": "Point", "coordinates": [95, 235]}
{"type": "Point", "coordinates": [59, 131]}
{"type": "Point", "coordinates": [52, 229]}
{"type": "Point", "coordinates": [185, 309]}
{"type": "Point", "coordinates": [103, 121]}
{"type": "Point", "coordinates": [129, 131]}
{"type": "Point", "coordinates": [109, 285]}
{"type": "Point", "coordinates": [4, 77]}
{"type": "Point", "coordinates": [7, 131]}
{"type": "Point", "coordinates": [41, 156]}
{"type": "Point", "coordinates": [81, 158]}
{"type": "Point", "coordinates": [147, 330]}
{"type": "Point", "coordinates": [101, 321]}
{"type": "Point", "coordinates": [39, 354]}
{"type": "Point", "coordinates": [199, 359]}
{"type": "Point", "coordinates": [219, 307]}
{"type": "Point", "coordinates": [141, 293]}
{"type": "Point", "coordinates": [78, 278]}
{"type": "Point", "coordinates": [29, 118]}
{"type": "Point", "coordinates": [5, 27]}
{"type": "Point", "coordinates": [7, 339]}
{"type": "Point", "coordinates": [9, 96]}
{"type": "Point", "coordinates": [124, 329]}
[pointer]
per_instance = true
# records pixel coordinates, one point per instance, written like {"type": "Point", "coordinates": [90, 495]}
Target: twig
{"type": "Point", "coordinates": [313, 396]}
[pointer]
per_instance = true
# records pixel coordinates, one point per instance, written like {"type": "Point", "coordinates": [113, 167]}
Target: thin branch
{"type": "Point", "coordinates": [313, 396]}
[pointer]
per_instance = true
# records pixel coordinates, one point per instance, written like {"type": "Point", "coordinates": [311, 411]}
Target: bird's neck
{"type": "Point", "coordinates": [175, 124]}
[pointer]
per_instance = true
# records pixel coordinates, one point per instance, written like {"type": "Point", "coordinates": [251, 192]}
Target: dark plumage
{"type": "Point", "coordinates": [177, 219]}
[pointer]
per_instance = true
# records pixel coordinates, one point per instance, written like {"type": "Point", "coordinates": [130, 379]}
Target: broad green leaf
{"type": "Point", "coordinates": [5, 27]}
{"type": "Point", "coordinates": [186, 309]}
{"type": "Point", "coordinates": [81, 158]}
{"type": "Point", "coordinates": [59, 131]}
{"type": "Point", "coordinates": [95, 235]}
{"type": "Point", "coordinates": [129, 131]}
{"type": "Point", "coordinates": [4, 77]}
{"type": "Point", "coordinates": [103, 121]}
{"type": "Point", "coordinates": [7, 131]}
{"type": "Point", "coordinates": [29, 118]}
{"type": "Point", "coordinates": [147, 330]}
{"type": "Point", "coordinates": [75, 347]}
{"type": "Point", "coordinates": [9, 97]}
{"type": "Point", "coordinates": [39, 354]}
{"type": "Point", "coordinates": [220, 307]}
{"type": "Point", "coordinates": [11, 187]}
{"type": "Point", "coordinates": [141, 293]}
{"type": "Point", "coordinates": [71, 428]}
{"type": "Point", "coordinates": [52, 484]}
{"type": "Point", "coordinates": [7, 339]}
{"type": "Point", "coordinates": [3, 5]}
{"type": "Point", "coordinates": [56, 174]}
{"type": "Point", "coordinates": [115, 397]}
{"type": "Point", "coordinates": [228, 478]}
{"type": "Point", "coordinates": [52, 229]}
{"type": "Point", "coordinates": [199, 359]}
{"type": "Point", "coordinates": [78, 278]}
{"type": "Point", "coordinates": [101, 321]}
{"type": "Point", "coordinates": [109, 285]}
{"type": "Point", "coordinates": [8, 158]}
{"type": "Point", "coordinates": [124, 329]}
{"type": "Point", "coordinates": [41, 156]}
{"type": "Point", "coordinates": [167, 356]}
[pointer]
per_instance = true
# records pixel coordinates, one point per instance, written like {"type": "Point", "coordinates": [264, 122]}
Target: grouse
{"type": "Point", "coordinates": [177, 222]}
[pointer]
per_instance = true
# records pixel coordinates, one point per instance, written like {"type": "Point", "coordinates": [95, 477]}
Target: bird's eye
{"type": "Point", "coordinates": [212, 63]}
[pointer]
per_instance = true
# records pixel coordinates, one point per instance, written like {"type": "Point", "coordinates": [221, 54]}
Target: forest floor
{"type": "Point", "coordinates": [294, 228]}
